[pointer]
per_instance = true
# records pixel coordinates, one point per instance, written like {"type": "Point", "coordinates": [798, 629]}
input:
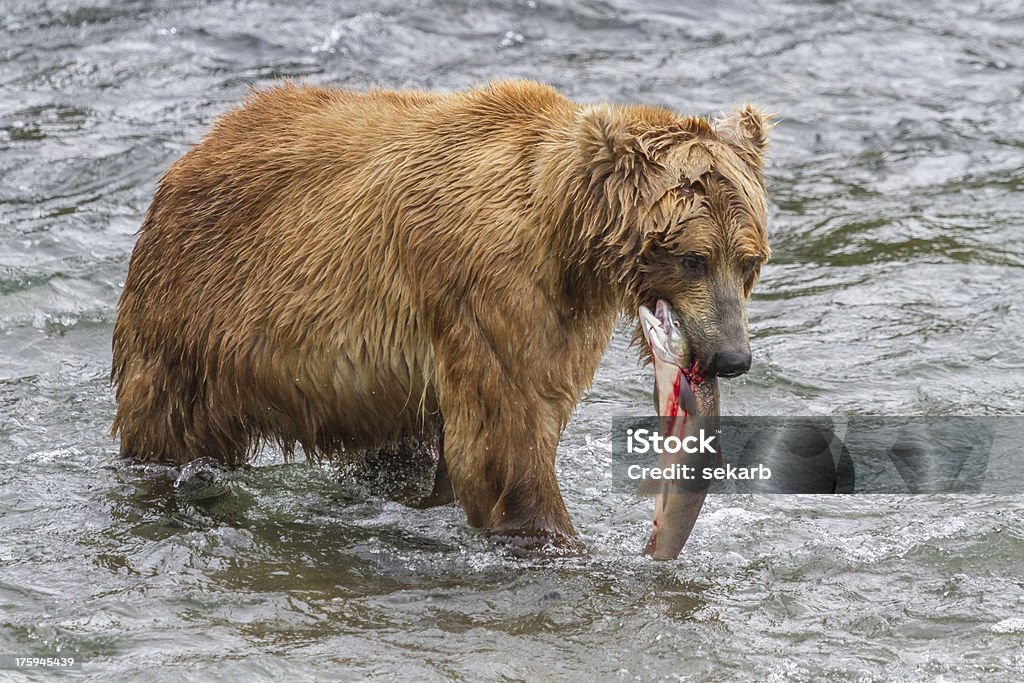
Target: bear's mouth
{"type": "Point", "coordinates": [678, 377]}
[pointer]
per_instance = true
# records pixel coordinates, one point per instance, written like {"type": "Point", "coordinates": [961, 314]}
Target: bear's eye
{"type": "Point", "coordinates": [694, 265]}
{"type": "Point", "coordinates": [750, 265]}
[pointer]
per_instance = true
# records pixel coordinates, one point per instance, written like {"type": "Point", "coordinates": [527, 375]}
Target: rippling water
{"type": "Point", "coordinates": [896, 287]}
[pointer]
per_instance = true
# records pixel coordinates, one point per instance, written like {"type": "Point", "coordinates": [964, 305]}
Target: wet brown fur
{"type": "Point", "coordinates": [345, 270]}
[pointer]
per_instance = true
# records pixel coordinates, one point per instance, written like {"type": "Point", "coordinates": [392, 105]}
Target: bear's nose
{"type": "Point", "coordinates": [731, 363]}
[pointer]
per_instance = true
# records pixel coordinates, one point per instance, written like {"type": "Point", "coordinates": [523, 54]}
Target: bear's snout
{"type": "Point", "coordinates": [730, 363]}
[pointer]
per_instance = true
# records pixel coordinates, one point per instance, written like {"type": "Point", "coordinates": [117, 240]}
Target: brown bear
{"type": "Point", "coordinates": [354, 270]}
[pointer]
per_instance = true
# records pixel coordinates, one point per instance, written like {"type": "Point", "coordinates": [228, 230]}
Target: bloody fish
{"type": "Point", "coordinates": [686, 401]}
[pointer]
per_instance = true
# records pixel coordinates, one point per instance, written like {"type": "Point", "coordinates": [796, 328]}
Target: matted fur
{"type": "Point", "coordinates": [343, 270]}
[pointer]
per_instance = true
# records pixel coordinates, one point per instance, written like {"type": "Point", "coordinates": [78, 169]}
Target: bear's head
{"type": "Point", "coordinates": [676, 210]}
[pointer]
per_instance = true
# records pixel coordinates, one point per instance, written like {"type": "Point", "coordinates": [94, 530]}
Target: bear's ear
{"type": "Point", "coordinates": [746, 129]}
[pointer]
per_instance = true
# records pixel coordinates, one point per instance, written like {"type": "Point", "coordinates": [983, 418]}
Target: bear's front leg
{"type": "Point", "coordinates": [500, 439]}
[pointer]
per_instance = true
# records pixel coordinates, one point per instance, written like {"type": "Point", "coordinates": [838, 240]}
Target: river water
{"type": "Point", "coordinates": [896, 287]}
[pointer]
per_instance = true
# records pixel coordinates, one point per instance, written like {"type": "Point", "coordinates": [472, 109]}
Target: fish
{"type": "Point", "coordinates": [687, 402]}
